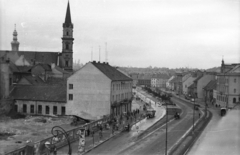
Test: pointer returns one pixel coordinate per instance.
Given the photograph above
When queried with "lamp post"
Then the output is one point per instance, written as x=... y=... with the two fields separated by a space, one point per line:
x=193 y=110
x=166 y=127
x=56 y=131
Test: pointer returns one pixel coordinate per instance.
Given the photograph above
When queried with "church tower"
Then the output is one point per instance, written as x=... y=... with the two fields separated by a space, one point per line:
x=67 y=43
x=15 y=43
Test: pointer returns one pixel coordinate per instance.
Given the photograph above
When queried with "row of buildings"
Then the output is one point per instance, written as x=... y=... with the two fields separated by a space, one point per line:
x=221 y=88
x=157 y=80
x=44 y=83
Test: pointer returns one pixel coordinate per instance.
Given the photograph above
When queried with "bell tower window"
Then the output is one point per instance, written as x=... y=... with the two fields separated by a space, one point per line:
x=67 y=46
x=67 y=33
x=66 y=63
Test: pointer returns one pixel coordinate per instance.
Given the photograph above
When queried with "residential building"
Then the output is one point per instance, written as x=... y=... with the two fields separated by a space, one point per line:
x=40 y=99
x=144 y=80
x=209 y=91
x=169 y=83
x=200 y=82
x=98 y=90
x=228 y=85
x=159 y=80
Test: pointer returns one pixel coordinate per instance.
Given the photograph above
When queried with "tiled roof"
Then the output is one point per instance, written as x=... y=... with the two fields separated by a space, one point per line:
x=53 y=93
x=34 y=80
x=40 y=57
x=160 y=76
x=191 y=86
x=111 y=72
x=199 y=77
x=211 y=85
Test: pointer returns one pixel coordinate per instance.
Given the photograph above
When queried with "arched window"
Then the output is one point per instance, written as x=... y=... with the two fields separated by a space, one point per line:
x=67 y=33
x=67 y=46
x=234 y=100
x=66 y=63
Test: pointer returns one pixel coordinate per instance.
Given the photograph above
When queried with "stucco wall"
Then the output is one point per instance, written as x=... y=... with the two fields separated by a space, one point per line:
x=202 y=82
x=187 y=83
x=59 y=105
x=91 y=93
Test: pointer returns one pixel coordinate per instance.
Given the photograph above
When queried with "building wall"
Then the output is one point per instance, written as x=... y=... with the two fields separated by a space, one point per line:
x=187 y=83
x=4 y=80
x=28 y=104
x=202 y=82
x=91 y=93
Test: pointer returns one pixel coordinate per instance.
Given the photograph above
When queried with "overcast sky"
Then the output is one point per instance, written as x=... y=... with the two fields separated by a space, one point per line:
x=139 y=33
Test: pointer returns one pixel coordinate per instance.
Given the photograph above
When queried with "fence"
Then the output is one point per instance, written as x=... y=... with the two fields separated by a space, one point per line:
x=93 y=137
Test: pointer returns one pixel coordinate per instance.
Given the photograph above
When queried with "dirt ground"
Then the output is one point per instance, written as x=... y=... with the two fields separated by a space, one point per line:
x=34 y=128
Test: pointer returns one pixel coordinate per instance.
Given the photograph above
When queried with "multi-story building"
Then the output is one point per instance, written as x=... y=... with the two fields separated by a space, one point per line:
x=144 y=80
x=169 y=83
x=200 y=82
x=228 y=85
x=159 y=80
x=98 y=90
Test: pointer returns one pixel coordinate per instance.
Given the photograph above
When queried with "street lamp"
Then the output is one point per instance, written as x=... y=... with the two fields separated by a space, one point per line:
x=56 y=131
x=166 y=125
x=193 y=110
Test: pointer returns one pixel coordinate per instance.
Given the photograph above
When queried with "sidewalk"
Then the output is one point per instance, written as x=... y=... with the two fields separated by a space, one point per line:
x=93 y=141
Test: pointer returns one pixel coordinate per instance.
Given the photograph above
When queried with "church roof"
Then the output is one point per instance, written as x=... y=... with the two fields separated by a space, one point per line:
x=111 y=72
x=39 y=57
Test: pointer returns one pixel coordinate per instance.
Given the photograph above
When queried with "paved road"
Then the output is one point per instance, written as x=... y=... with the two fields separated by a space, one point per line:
x=221 y=136
x=155 y=143
x=123 y=140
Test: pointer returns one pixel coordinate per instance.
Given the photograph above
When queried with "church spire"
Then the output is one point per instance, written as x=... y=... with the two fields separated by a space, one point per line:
x=15 y=43
x=68 y=21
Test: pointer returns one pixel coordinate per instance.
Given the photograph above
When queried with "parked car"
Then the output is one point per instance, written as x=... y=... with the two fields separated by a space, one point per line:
x=150 y=113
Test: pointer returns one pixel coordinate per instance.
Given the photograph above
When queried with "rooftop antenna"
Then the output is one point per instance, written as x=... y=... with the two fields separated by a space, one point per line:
x=106 y=52
x=99 y=53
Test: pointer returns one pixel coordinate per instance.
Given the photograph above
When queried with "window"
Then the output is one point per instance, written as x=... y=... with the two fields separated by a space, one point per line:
x=70 y=86
x=67 y=46
x=66 y=63
x=55 y=110
x=234 y=90
x=234 y=100
x=39 y=109
x=32 y=109
x=70 y=96
x=24 y=108
x=47 y=109
x=63 y=110
x=235 y=80
x=16 y=107
x=67 y=33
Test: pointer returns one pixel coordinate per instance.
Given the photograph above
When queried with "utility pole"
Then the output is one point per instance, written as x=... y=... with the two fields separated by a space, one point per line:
x=166 y=125
x=193 y=110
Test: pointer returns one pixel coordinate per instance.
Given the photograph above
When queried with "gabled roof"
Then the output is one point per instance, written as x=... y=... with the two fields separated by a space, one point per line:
x=199 y=77
x=48 y=93
x=160 y=76
x=111 y=72
x=211 y=85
